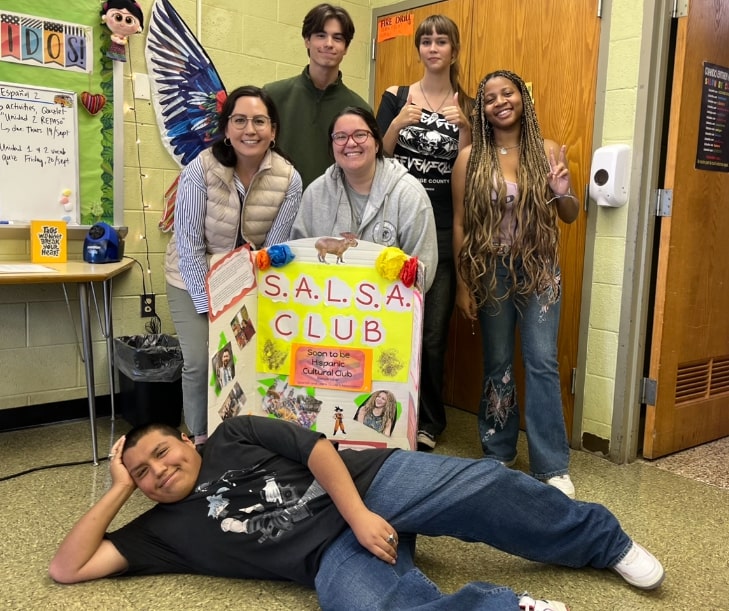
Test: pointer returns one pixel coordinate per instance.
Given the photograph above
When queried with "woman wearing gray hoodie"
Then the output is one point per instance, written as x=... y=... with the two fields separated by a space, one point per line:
x=366 y=194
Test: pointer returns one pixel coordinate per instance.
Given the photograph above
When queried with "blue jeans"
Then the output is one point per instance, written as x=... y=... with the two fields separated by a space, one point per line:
x=472 y=500
x=192 y=331
x=498 y=418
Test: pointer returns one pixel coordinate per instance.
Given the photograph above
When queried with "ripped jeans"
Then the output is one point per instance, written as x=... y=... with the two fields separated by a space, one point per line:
x=498 y=418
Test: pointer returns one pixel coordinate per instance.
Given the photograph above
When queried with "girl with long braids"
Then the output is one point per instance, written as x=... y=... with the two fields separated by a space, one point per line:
x=425 y=124
x=509 y=188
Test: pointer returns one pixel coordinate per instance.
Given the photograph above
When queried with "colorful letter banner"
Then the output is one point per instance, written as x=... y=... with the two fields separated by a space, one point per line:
x=35 y=41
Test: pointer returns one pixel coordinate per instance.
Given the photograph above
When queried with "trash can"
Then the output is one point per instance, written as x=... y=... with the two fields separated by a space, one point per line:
x=150 y=378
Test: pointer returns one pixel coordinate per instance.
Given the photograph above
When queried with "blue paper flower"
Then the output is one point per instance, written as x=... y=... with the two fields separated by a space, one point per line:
x=280 y=255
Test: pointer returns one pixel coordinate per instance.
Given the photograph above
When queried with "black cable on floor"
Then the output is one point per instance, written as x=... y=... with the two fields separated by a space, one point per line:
x=65 y=464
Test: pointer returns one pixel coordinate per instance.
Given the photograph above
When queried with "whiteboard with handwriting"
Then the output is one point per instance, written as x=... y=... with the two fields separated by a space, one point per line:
x=39 y=176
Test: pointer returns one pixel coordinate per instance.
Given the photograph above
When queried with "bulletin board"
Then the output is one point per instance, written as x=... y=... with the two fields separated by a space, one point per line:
x=54 y=53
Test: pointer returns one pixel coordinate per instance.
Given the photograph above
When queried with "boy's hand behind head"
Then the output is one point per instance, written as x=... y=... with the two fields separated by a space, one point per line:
x=119 y=473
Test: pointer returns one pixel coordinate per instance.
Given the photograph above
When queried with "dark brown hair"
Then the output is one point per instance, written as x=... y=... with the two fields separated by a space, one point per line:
x=224 y=153
x=445 y=26
x=133 y=437
x=317 y=17
x=367 y=117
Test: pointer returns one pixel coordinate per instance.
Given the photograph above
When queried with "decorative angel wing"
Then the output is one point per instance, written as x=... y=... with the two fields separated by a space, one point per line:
x=186 y=92
x=185 y=85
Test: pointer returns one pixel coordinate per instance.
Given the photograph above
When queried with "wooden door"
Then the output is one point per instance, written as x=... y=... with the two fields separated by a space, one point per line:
x=690 y=338
x=554 y=46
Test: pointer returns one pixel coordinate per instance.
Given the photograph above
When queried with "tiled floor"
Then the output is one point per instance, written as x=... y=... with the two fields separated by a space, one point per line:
x=685 y=522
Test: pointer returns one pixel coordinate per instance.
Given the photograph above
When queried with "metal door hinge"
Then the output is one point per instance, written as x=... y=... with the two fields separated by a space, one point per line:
x=648 y=391
x=680 y=8
x=374 y=48
x=664 y=202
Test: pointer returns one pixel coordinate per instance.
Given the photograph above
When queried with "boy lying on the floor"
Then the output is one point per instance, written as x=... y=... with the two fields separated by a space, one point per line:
x=273 y=500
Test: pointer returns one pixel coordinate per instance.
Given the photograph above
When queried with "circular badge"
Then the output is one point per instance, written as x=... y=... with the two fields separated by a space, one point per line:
x=384 y=233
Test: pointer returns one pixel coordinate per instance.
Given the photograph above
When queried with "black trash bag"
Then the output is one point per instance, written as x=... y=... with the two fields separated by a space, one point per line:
x=149 y=358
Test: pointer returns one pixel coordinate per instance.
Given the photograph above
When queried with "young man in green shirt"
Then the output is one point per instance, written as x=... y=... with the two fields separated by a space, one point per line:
x=307 y=103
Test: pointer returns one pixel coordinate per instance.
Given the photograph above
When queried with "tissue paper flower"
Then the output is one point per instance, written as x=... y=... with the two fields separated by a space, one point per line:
x=263 y=261
x=389 y=262
x=409 y=272
x=280 y=255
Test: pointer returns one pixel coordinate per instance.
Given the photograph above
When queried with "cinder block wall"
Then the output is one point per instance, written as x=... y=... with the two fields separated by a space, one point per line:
x=250 y=42
x=619 y=109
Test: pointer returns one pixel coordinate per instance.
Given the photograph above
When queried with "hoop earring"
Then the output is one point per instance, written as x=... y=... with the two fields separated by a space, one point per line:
x=226 y=141
x=273 y=143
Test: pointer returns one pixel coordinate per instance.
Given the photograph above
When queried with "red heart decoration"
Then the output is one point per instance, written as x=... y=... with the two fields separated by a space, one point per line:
x=93 y=102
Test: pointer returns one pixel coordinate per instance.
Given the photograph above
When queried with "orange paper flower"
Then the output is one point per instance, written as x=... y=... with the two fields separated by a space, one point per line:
x=263 y=261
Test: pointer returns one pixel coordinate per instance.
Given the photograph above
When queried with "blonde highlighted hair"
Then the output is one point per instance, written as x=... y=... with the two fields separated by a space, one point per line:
x=534 y=248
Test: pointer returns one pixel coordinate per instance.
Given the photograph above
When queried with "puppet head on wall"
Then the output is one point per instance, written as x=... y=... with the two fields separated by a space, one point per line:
x=123 y=18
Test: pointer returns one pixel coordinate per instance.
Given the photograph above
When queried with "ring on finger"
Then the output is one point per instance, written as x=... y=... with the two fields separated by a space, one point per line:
x=391 y=539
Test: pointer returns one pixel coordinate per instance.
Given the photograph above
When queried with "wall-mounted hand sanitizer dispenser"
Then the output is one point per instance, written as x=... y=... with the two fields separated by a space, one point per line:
x=610 y=175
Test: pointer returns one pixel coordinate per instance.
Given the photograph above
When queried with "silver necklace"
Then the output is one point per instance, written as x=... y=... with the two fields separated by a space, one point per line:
x=505 y=149
x=433 y=108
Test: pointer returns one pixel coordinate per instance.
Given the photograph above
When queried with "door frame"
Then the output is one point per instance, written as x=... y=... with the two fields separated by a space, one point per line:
x=638 y=280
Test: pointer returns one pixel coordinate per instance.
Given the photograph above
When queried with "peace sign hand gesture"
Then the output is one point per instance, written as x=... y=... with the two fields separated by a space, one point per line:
x=559 y=174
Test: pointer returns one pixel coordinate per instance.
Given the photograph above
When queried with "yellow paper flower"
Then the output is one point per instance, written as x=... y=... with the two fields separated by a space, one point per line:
x=389 y=262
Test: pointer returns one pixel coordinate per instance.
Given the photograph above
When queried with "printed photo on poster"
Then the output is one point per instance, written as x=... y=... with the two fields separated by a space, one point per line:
x=379 y=412
x=242 y=328
x=292 y=403
x=224 y=366
x=233 y=403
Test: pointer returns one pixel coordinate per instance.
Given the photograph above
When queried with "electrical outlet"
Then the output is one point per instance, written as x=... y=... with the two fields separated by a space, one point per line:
x=147 y=306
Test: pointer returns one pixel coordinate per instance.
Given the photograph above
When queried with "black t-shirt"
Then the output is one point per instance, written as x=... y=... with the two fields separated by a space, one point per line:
x=256 y=512
x=428 y=151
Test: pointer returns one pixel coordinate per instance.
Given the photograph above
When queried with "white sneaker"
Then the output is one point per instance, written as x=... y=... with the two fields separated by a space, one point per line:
x=426 y=439
x=562 y=483
x=640 y=568
x=527 y=603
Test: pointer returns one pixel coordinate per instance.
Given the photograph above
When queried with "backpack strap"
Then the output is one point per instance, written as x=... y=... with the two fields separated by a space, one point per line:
x=402 y=95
